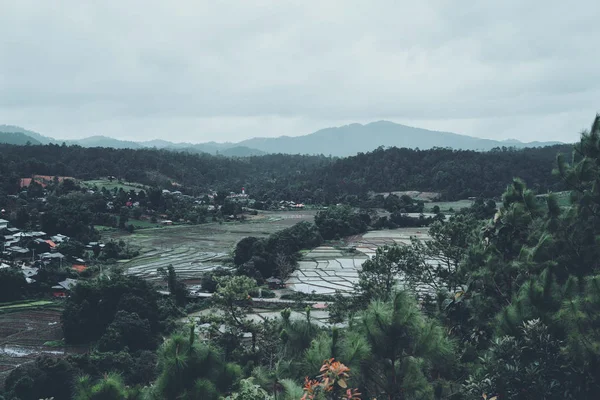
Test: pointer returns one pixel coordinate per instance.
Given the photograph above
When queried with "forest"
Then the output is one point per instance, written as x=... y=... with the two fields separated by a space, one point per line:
x=512 y=310
x=456 y=174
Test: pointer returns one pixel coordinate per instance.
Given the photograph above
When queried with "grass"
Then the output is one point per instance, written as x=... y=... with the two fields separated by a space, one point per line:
x=445 y=206
x=143 y=224
x=563 y=198
x=55 y=343
x=127 y=186
x=24 y=305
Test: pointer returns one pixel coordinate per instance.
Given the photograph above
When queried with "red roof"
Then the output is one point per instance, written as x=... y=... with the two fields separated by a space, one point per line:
x=51 y=243
x=79 y=267
x=42 y=180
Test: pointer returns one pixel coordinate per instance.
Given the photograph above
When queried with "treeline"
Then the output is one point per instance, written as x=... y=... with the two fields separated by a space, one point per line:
x=309 y=179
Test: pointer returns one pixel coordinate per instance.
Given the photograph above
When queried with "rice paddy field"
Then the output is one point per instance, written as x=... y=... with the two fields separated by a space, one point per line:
x=446 y=206
x=326 y=269
x=195 y=249
x=28 y=333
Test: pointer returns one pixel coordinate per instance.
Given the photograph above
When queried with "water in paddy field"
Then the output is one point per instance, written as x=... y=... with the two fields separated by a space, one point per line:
x=16 y=351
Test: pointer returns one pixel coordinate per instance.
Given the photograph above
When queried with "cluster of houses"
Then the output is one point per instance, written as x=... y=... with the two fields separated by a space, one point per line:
x=34 y=250
x=286 y=205
x=43 y=180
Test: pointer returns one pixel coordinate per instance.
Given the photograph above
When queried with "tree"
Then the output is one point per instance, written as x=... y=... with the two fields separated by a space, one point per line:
x=339 y=221
x=525 y=367
x=177 y=288
x=190 y=370
x=410 y=352
x=243 y=250
x=93 y=305
x=111 y=387
x=123 y=217
x=127 y=331
x=13 y=285
x=249 y=391
x=44 y=378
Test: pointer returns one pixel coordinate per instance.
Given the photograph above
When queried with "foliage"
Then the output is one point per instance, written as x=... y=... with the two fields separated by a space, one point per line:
x=340 y=221
x=12 y=284
x=249 y=391
x=525 y=367
x=331 y=384
x=410 y=353
x=44 y=378
x=93 y=306
x=191 y=370
x=261 y=258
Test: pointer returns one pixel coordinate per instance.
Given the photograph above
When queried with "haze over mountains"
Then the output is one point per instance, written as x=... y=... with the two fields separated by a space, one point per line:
x=339 y=141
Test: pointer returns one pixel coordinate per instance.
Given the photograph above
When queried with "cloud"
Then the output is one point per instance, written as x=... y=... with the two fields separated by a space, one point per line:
x=229 y=70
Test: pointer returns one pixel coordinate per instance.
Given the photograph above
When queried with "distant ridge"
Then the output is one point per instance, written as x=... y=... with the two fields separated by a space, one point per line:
x=340 y=141
x=17 y=138
x=355 y=138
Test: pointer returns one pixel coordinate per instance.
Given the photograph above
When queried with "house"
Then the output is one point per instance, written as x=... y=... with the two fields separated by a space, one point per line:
x=41 y=246
x=51 y=258
x=275 y=283
x=62 y=288
x=29 y=273
x=3 y=224
x=44 y=180
x=79 y=267
x=17 y=252
x=12 y=231
x=59 y=238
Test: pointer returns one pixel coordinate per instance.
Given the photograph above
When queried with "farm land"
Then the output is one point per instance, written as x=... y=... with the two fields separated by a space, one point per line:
x=195 y=249
x=110 y=185
x=28 y=330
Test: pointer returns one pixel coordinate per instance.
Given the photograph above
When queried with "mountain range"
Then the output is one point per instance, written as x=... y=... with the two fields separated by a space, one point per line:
x=338 y=142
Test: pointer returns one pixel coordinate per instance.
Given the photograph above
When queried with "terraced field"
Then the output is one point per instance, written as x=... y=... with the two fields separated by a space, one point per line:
x=23 y=335
x=195 y=249
x=326 y=269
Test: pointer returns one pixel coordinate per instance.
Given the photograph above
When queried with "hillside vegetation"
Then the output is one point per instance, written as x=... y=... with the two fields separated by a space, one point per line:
x=310 y=179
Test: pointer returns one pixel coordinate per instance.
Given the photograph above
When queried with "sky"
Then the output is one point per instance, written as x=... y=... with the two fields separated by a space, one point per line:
x=196 y=71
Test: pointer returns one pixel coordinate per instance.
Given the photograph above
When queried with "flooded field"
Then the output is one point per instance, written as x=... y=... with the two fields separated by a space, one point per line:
x=25 y=335
x=326 y=269
x=195 y=249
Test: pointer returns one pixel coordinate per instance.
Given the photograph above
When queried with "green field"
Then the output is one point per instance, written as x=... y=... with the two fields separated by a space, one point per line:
x=193 y=249
x=127 y=186
x=445 y=206
x=22 y=305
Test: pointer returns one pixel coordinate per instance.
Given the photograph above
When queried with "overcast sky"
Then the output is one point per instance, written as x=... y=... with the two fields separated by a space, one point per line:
x=192 y=70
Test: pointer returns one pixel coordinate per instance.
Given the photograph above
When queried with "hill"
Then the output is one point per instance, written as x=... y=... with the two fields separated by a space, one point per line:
x=104 y=141
x=38 y=137
x=18 y=138
x=341 y=141
x=241 y=151
x=456 y=174
x=357 y=138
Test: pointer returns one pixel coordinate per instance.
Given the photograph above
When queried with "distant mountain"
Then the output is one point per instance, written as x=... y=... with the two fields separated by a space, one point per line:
x=17 y=138
x=241 y=151
x=41 y=139
x=104 y=141
x=355 y=138
x=340 y=142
